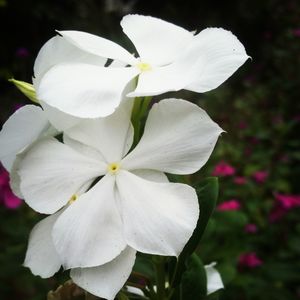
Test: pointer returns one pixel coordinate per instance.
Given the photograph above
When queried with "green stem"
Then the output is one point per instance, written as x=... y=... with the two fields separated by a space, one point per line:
x=160 y=279
x=139 y=110
x=144 y=106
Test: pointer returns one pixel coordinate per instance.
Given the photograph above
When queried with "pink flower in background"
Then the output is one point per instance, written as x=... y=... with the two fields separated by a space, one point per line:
x=248 y=151
x=288 y=201
x=249 y=260
x=223 y=169
x=7 y=198
x=260 y=176
x=277 y=120
x=284 y=158
x=277 y=213
x=242 y=125
x=17 y=106
x=240 y=180
x=22 y=52
x=283 y=204
x=254 y=140
x=296 y=32
x=296 y=118
x=267 y=35
x=229 y=205
x=251 y=228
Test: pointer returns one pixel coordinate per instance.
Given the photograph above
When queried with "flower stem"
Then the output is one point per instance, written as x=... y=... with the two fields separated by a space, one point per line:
x=139 y=110
x=160 y=278
x=144 y=106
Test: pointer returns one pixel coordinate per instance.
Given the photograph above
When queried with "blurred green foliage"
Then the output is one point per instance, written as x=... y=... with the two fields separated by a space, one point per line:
x=258 y=108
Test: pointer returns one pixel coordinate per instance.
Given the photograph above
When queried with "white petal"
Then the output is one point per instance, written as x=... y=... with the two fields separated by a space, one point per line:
x=61 y=121
x=135 y=291
x=151 y=175
x=160 y=80
x=178 y=138
x=211 y=58
x=58 y=50
x=111 y=136
x=98 y=46
x=84 y=90
x=158 y=42
x=41 y=256
x=117 y=64
x=14 y=178
x=162 y=220
x=21 y=129
x=214 y=280
x=52 y=172
x=83 y=149
x=107 y=280
x=214 y=56
x=89 y=233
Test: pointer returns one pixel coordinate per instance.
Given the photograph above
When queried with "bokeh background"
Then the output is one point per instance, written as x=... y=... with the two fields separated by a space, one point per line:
x=254 y=234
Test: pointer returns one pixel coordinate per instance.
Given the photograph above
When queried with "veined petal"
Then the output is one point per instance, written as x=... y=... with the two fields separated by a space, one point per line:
x=21 y=129
x=41 y=256
x=83 y=90
x=158 y=42
x=214 y=56
x=98 y=46
x=58 y=50
x=162 y=220
x=89 y=233
x=107 y=280
x=112 y=136
x=52 y=172
x=209 y=59
x=178 y=138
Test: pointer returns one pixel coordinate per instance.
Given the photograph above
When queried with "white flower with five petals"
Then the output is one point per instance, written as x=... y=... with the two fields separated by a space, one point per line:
x=170 y=59
x=97 y=228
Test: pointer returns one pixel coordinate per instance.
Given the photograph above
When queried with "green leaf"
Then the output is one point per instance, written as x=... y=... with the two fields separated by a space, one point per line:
x=207 y=193
x=26 y=88
x=194 y=281
x=144 y=266
x=228 y=272
x=230 y=220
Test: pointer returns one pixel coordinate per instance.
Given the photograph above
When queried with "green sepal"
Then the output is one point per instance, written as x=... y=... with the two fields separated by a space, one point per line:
x=68 y=290
x=207 y=192
x=26 y=88
x=194 y=280
x=122 y=296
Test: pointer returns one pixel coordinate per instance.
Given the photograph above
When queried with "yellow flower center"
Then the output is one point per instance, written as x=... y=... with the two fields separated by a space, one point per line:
x=113 y=168
x=144 y=66
x=73 y=199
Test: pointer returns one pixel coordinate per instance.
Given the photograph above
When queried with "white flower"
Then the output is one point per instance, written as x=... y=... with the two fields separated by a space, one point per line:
x=214 y=280
x=21 y=129
x=132 y=207
x=170 y=59
x=104 y=281
x=28 y=124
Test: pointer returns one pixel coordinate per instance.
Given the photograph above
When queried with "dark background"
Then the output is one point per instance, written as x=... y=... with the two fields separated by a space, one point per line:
x=263 y=95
